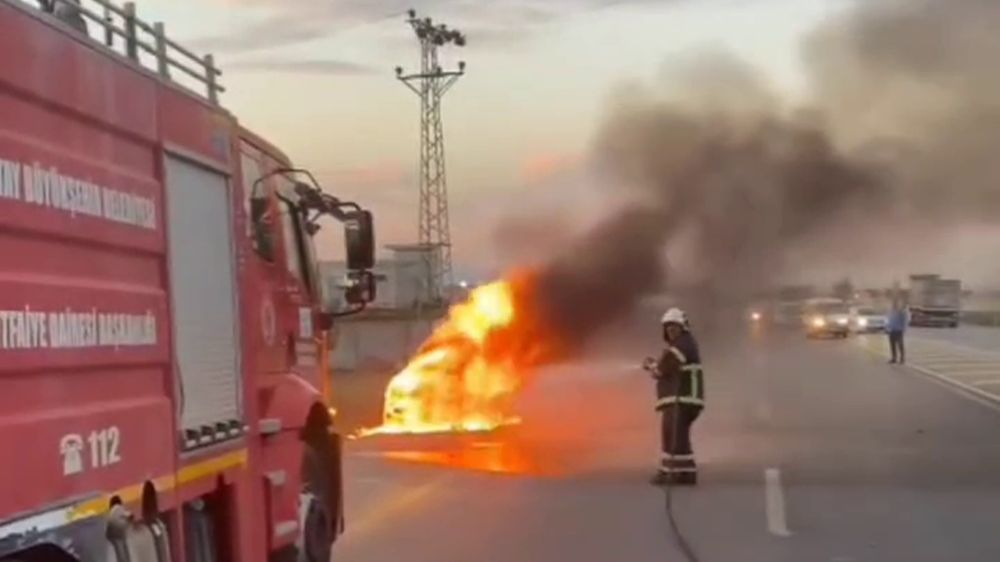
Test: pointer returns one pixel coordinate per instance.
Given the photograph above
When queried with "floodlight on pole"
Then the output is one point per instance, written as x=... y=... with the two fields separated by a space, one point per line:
x=430 y=85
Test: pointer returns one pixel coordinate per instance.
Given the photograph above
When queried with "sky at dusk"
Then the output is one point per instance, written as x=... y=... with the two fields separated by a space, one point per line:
x=316 y=78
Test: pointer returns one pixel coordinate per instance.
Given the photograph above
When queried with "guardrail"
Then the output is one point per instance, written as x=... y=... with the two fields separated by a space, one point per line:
x=138 y=37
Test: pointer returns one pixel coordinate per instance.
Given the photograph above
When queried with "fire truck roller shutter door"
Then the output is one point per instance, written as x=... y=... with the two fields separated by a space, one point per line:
x=203 y=292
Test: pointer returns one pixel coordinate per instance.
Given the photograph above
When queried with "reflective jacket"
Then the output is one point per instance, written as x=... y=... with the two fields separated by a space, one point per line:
x=679 y=378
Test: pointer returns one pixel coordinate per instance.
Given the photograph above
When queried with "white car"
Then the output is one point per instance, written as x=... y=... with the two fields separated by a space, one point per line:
x=867 y=320
x=827 y=318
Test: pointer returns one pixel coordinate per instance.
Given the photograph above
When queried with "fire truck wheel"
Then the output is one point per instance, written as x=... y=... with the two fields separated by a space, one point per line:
x=316 y=521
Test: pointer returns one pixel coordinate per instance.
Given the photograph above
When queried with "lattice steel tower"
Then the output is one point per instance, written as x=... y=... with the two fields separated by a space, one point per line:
x=430 y=84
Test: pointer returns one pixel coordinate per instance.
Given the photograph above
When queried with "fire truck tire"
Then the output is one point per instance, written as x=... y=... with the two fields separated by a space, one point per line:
x=316 y=522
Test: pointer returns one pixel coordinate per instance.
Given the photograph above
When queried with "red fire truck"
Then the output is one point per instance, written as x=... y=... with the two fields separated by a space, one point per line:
x=161 y=336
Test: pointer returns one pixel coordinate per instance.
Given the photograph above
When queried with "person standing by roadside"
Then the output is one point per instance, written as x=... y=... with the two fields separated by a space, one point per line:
x=895 y=326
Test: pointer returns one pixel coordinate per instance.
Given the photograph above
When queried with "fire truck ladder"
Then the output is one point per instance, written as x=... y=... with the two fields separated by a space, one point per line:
x=119 y=30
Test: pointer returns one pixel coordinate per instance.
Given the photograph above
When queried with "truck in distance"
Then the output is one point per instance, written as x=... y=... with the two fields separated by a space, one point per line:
x=934 y=301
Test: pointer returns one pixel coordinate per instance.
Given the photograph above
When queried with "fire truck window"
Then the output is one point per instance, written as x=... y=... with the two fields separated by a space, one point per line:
x=260 y=223
x=251 y=172
x=308 y=258
x=290 y=234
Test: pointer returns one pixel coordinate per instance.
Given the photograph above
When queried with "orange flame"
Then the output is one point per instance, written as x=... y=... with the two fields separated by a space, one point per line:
x=468 y=372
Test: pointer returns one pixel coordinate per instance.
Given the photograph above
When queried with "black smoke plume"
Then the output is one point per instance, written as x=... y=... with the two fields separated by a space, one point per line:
x=902 y=128
x=741 y=189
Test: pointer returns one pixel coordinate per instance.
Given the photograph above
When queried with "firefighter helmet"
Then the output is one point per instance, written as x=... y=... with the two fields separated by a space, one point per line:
x=674 y=316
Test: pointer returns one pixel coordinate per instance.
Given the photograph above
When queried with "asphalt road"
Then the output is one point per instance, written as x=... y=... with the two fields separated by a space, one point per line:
x=966 y=359
x=810 y=451
x=979 y=337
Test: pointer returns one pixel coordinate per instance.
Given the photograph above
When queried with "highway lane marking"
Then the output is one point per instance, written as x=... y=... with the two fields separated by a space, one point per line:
x=959 y=367
x=964 y=347
x=975 y=378
x=774 y=502
x=943 y=357
x=963 y=370
x=971 y=374
x=934 y=344
x=968 y=374
x=956 y=364
x=939 y=365
x=958 y=360
x=969 y=391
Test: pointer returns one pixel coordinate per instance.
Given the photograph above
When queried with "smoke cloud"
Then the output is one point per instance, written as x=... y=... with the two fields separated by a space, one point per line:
x=725 y=179
x=911 y=85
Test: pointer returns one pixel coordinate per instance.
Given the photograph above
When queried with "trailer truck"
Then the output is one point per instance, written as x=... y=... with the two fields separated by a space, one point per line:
x=161 y=338
x=934 y=302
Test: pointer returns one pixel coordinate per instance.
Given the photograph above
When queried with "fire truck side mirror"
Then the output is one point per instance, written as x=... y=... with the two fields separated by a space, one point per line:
x=359 y=237
x=363 y=288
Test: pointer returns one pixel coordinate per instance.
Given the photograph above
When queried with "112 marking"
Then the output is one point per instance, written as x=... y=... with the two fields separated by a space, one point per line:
x=104 y=446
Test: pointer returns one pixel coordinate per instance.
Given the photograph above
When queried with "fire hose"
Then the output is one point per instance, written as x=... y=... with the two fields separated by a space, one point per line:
x=679 y=537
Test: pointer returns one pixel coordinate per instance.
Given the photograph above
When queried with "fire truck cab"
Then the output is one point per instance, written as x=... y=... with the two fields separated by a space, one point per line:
x=162 y=342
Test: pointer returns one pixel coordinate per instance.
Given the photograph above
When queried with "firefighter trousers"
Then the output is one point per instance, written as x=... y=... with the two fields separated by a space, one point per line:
x=677 y=454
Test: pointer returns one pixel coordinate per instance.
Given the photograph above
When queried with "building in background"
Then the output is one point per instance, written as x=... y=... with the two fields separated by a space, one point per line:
x=333 y=279
x=403 y=279
x=412 y=269
x=385 y=335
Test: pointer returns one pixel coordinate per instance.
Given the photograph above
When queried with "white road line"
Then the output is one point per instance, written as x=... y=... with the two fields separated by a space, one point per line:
x=964 y=385
x=956 y=364
x=967 y=350
x=978 y=395
x=965 y=374
x=952 y=363
x=993 y=369
x=774 y=501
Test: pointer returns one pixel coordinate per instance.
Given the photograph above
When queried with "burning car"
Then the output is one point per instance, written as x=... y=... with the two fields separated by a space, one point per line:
x=413 y=397
x=467 y=373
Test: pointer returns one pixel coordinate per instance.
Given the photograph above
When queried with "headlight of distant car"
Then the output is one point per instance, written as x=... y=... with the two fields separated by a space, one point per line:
x=818 y=322
x=755 y=316
x=863 y=322
x=842 y=321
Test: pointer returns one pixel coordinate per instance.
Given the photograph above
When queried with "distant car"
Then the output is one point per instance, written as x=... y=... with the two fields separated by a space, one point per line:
x=865 y=320
x=827 y=319
x=786 y=315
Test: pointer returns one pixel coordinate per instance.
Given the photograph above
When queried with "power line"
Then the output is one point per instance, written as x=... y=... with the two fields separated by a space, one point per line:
x=431 y=84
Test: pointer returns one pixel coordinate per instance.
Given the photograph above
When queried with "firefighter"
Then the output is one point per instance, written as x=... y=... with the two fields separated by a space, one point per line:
x=680 y=397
